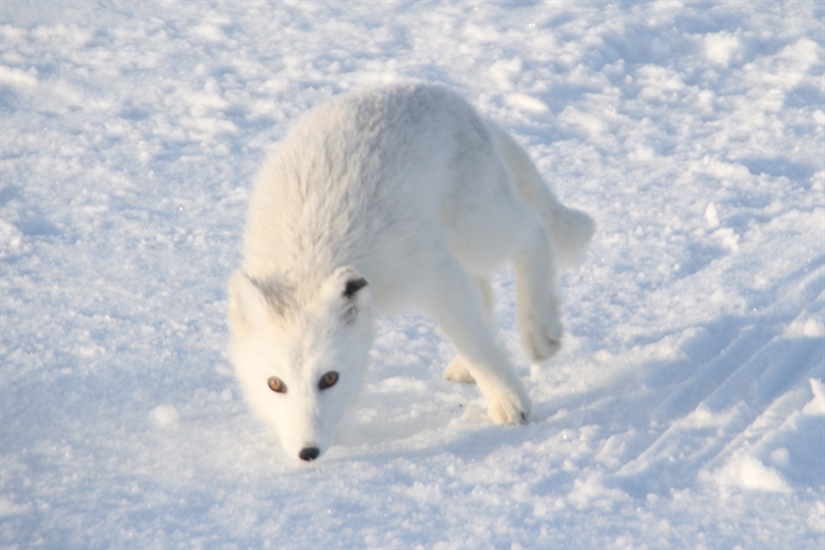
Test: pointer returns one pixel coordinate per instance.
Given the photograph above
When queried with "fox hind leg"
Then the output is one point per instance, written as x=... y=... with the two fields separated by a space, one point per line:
x=538 y=305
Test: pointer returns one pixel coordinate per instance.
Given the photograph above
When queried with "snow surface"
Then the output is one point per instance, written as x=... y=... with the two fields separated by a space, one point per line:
x=687 y=408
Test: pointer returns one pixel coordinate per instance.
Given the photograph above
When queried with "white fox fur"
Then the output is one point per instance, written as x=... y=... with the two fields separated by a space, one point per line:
x=399 y=196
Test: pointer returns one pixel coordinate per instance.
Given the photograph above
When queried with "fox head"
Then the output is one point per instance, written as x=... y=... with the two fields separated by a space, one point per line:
x=301 y=357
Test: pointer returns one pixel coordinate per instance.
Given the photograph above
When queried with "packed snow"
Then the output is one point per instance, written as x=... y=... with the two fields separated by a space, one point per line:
x=686 y=409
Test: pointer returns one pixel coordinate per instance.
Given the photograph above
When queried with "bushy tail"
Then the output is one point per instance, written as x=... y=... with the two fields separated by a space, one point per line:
x=570 y=229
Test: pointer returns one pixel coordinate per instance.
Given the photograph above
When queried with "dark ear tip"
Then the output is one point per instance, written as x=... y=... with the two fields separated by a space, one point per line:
x=353 y=286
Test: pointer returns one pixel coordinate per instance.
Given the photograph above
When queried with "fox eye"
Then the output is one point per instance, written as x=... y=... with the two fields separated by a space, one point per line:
x=328 y=380
x=276 y=384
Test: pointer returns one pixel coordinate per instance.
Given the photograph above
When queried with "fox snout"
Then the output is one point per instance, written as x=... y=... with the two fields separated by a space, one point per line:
x=308 y=454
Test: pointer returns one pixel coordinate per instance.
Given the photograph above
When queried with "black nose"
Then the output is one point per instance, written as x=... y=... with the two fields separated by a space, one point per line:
x=309 y=453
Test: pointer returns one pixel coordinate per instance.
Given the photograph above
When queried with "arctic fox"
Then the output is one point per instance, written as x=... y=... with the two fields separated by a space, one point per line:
x=392 y=197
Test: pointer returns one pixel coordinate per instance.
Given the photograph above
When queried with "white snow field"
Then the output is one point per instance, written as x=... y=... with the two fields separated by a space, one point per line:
x=686 y=409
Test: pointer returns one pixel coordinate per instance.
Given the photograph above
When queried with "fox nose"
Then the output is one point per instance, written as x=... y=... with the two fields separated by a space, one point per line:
x=309 y=453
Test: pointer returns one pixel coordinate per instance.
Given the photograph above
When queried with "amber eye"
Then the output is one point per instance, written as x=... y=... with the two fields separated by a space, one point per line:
x=276 y=384
x=328 y=380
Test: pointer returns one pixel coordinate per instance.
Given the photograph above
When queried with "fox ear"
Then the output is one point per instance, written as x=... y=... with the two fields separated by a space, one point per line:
x=353 y=286
x=349 y=282
x=350 y=287
x=247 y=304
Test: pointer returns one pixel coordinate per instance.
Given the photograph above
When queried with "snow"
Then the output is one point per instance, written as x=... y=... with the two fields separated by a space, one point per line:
x=686 y=408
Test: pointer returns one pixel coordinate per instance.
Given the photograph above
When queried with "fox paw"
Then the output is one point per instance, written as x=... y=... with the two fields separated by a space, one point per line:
x=508 y=410
x=541 y=340
x=457 y=371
